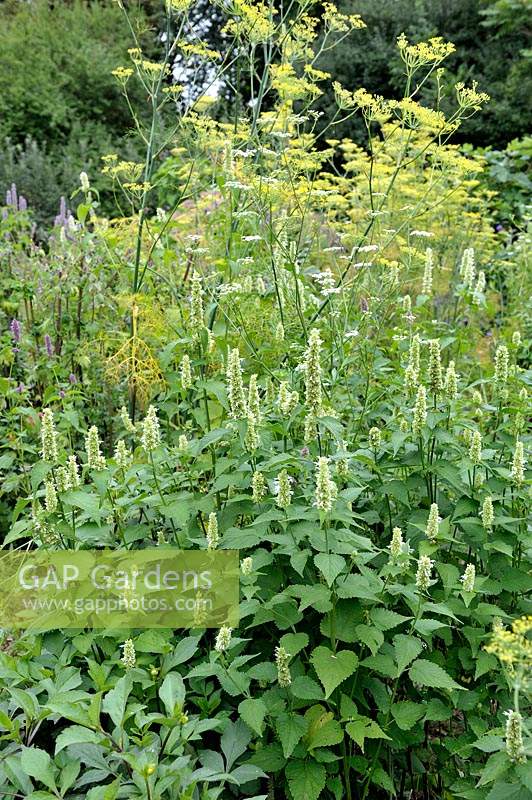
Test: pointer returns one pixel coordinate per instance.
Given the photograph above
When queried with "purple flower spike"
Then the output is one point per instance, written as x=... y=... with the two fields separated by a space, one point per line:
x=8 y=198
x=16 y=328
x=14 y=196
x=22 y=203
x=20 y=388
x=72 y=378
x=49 y=345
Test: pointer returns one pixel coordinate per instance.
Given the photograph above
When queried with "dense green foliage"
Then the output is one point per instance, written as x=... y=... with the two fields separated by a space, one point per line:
x=316 y=354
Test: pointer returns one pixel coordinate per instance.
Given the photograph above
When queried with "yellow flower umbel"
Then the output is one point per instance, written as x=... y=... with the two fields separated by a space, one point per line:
x=48 y=436
x=312 y=367
x=235 y=385
x=513 y=647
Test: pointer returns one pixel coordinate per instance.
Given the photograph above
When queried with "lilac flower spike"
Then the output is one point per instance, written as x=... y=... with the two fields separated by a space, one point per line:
x=16 y=329
x=22 y=203
x=49 y=345
x=14 y=196
x=8 y=198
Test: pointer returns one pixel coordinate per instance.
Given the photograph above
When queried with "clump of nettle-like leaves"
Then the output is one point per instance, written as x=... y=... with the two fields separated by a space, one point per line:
x=286 y=362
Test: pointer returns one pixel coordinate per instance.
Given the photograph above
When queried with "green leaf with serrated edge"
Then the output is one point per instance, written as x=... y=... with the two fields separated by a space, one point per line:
x=496 y=766
x=306 y=779
x=172 y=692
x=293 y=643
x=76 y=735
x=290 y=729
x=330 y=566
x=426 y=673
x=333 y=668
x=323 y=729
x=407 y=648
x=363 y=728
x=38 y=765
x=385 y=619
x=114 y=702
x=407 y=713
x=253 y=713
x=305 y=688
x=371 y=636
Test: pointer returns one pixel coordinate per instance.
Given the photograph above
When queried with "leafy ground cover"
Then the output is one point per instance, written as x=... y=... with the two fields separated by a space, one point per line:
x=317 y=355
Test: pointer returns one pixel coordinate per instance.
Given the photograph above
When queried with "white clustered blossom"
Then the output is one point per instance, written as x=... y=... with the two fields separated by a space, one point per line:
x=326 y=489
x=73 y=470
x=151 y=434
x=283 y=489
x=518 y=464
x=396 y=544
x=312 y=367
x=468 y=578
x=451 y=382
x=50 y=496
x=475 y=448
x=420 y=411
x=95 y=460
x=467 y=268
x=185 y=370
x=246 y=566
x=213 y=537
x=487 y=514
x=223 y=639
x=514 y=737
x=258 y=487
x=424 y=573
x=126 y=420
x=235 y=385
x=128 y=656
x=282 y=660
x=122 y=454
x=433 y=523
x=426 y=286
x=48 y=436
